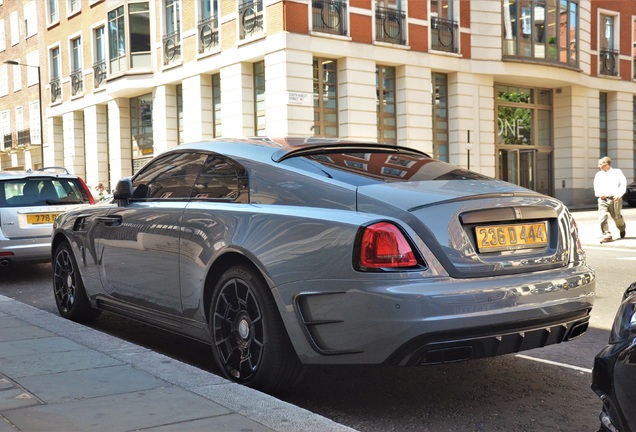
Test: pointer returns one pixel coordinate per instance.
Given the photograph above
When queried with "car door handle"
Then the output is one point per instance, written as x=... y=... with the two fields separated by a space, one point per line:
x=109 y=220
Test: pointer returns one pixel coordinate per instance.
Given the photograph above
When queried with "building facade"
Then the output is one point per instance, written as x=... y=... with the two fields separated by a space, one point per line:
x=530 y=91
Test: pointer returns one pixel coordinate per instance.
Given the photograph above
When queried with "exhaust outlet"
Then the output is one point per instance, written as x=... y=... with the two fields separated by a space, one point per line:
x=4 y=263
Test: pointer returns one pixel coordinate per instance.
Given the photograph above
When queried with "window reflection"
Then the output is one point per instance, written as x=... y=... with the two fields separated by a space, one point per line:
x=545 y=30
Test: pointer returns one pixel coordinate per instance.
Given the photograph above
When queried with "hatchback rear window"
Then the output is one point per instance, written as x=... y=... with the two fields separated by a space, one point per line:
x=42 y=191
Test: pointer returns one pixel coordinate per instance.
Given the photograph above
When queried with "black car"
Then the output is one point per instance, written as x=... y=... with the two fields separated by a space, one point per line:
x=630 y=194
x=614 y=376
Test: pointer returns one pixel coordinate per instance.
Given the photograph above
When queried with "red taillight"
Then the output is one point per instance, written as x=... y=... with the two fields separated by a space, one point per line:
x=384 y=245
x=87 y=190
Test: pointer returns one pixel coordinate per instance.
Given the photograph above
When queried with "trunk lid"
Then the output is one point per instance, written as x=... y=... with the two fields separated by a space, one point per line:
x=479 y=227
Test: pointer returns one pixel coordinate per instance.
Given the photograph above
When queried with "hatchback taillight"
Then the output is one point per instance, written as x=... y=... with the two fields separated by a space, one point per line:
x=384 y=246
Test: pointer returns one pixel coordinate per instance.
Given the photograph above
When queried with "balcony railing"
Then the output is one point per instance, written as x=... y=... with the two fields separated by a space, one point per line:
x=251 y=18
x=56 y=90
x=7 y=141
x=444 y=35
x=77 y=82
x=99 y=73
x=208 y=34
x=329 y=16
x=24 y=137
x=389 y=25
x=171 y=48
x=608 y=60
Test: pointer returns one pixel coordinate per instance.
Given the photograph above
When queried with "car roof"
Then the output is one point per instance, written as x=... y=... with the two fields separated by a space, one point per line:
x=44 y=172
x=284 y=148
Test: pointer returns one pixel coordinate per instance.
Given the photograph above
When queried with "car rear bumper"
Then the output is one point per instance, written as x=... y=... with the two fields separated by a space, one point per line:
x=435 y=320
x=37 y=249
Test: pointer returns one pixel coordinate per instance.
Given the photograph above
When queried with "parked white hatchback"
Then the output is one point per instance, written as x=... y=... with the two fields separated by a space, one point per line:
x=29 y=203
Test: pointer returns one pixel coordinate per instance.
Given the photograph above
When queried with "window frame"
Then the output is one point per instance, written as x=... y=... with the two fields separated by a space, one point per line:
x=382 y=103
x=52 y=13
x=320 y=110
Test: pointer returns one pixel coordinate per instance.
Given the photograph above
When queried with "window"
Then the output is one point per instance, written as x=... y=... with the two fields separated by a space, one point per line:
x=4 y=80
x=73 y=6
x=5 y=129
x=52 y=12
x=34 y=122
x=325 y=98
x=77 y=80
x=99 y=57
x=32 y=59
x=208 y=26
x=543 y=30
x=250 y=18
x=259 y=99
x=602 y=125
x=390 y=22
x=129 y=37
x=141 y=126
x=608 y=54
x=170 y=177
x=3 y=37
x=385 y=104
x=329 y=16
x=221 y=179
x=30 y=19
x=444 y=28
x=179 y=113
x=216 y=105
x=440 y=117
x=19 y=118
x=17 y=77
x=172 y=36
x=117 y=40
x=54 y=74
x=15 y=28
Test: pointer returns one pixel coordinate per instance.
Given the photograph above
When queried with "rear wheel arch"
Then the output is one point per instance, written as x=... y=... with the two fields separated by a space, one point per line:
x=265 y=344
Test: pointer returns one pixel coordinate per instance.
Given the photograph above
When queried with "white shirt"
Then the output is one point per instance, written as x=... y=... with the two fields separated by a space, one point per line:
x=610 y=183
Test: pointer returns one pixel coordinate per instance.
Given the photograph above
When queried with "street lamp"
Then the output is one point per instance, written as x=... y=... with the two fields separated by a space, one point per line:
x=13 y=62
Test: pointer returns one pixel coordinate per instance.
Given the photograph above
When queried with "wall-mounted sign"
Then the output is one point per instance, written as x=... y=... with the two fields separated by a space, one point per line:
x=296 y=98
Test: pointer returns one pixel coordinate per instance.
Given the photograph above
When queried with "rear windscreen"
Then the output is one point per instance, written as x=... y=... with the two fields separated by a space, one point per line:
x=42 y=191
x=365 y=168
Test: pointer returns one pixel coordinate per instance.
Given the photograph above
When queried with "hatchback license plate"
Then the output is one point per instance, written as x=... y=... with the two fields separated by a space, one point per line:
x=41 y=218
x=509 y=237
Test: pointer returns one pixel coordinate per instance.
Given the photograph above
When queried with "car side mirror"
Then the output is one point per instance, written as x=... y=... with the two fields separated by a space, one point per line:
x=123 y=191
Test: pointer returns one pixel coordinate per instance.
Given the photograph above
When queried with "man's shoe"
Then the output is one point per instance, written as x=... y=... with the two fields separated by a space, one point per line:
x=622 y=233
x=606 y=240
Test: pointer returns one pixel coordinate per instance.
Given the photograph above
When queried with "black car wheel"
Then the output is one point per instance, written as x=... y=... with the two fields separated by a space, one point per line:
x=249 y=341
x=68 y=287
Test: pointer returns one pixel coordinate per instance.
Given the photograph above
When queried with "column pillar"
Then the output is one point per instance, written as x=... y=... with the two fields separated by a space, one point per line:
x=74 y=152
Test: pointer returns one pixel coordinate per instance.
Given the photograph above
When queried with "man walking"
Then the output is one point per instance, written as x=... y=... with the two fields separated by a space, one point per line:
x=609 y=188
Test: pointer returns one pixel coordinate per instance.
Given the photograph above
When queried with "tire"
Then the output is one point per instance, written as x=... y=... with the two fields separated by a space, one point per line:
x=68 y=287
x=249 y=343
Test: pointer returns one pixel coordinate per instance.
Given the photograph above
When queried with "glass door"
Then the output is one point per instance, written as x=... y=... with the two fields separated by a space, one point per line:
x=518 y=166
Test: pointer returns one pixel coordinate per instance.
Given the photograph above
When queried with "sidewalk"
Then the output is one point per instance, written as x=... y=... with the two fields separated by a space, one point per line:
x=56 y=375
x=590 y=229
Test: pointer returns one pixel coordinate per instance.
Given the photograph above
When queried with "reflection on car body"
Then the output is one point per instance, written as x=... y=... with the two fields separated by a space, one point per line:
x=614 y=374
x=284 y=253
x=630 y=194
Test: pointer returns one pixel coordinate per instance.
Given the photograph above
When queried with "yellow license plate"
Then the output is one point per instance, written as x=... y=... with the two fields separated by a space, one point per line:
x=509 y=237
x=41 y=218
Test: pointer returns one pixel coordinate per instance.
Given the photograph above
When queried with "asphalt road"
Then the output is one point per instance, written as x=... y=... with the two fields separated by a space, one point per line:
x=539 y=390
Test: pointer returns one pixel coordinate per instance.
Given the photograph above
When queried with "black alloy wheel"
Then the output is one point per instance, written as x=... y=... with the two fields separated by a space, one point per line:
x=68 y=287
x=249 y=342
